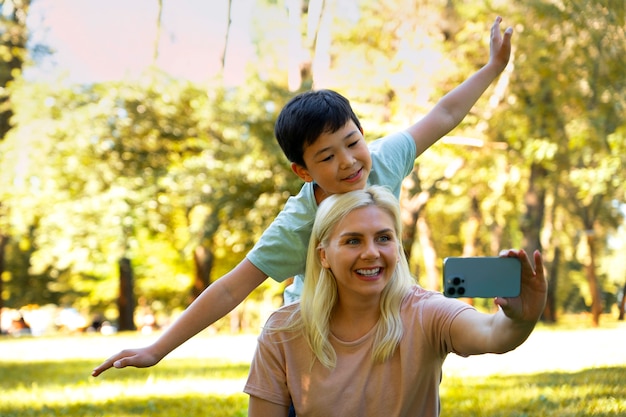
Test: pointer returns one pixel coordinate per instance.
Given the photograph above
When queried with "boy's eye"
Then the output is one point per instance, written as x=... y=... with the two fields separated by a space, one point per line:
x=353 y=144
x=328 y=158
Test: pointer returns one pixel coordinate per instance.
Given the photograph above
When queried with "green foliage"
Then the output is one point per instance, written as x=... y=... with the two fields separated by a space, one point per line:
x=155 y=168
x=150 y=171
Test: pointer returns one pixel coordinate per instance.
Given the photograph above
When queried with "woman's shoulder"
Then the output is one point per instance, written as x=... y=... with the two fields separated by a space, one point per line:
x=419 y=296
x=283 y=316
x=422 y=301
x=419 y=293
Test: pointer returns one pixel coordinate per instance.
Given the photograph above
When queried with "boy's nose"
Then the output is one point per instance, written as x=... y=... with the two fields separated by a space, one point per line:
x=347 y=160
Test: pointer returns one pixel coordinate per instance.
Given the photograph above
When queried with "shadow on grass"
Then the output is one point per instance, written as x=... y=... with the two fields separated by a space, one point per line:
x=599 y=392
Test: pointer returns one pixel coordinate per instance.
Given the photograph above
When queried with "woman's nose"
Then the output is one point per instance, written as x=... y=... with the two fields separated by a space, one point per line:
x=370 y=251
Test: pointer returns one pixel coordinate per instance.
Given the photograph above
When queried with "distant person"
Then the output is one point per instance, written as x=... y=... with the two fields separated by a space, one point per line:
x=96 y=323
x=322 y=137
x=19 y=326
x=365 y=339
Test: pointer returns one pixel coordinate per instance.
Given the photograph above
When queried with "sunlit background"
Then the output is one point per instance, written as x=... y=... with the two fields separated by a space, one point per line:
x=138 y=165
x=138 y=162
x=95 y=41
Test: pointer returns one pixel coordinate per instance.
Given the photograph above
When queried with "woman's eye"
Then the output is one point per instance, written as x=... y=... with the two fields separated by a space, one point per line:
x=385 y=238
x=352 y=241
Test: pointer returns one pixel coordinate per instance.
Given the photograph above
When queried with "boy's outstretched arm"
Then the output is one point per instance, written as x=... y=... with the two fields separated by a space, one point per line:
x=473 y=332
x=455 y=105
x=214 y=303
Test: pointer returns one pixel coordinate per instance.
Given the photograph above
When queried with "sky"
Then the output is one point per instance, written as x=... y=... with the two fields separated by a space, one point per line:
x=97 y=40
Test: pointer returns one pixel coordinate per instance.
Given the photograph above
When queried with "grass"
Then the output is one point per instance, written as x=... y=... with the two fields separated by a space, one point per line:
x=561 y=372
x=592 y=392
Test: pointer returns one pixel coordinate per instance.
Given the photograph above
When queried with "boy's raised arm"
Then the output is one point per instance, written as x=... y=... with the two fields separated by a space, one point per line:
x=455 y=105
x=214 y=303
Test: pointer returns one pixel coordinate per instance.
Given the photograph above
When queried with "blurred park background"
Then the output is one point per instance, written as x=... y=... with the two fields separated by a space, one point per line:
x=138 y=162
x=138 y=165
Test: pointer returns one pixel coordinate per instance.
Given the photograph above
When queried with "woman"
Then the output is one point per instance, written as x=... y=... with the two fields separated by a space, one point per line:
x=365 y=340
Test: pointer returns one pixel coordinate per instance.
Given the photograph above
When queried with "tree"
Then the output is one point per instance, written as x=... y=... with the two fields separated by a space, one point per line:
x=622 y=304
x=229 y=21
x=572 y=141
x=13 y=52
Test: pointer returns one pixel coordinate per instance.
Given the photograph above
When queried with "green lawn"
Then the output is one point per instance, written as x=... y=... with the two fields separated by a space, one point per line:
x=566 y=371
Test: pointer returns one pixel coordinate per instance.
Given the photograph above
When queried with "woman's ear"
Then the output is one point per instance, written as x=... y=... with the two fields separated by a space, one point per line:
x=322 y=254
x=302 y=172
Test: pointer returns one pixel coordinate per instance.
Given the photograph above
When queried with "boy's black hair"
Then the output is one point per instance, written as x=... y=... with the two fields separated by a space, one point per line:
x=307 y=116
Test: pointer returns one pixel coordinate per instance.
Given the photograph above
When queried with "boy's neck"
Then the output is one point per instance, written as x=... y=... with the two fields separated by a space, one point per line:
x=320 y=194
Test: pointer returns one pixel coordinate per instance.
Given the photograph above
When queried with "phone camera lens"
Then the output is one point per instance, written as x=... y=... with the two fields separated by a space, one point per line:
x=456 y=281
x=461 y=290
x=451 y=291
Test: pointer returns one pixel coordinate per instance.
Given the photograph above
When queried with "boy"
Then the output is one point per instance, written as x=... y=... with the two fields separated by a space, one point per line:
x=327 y=150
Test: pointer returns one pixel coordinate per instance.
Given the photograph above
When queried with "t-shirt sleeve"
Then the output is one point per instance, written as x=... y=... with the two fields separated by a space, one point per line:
x=281 y=251
x=436 y=314
x=267 y=378
x=393 y=159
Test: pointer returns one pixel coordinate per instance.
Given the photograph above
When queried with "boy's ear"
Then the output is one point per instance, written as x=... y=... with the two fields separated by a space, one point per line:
x=302 y=172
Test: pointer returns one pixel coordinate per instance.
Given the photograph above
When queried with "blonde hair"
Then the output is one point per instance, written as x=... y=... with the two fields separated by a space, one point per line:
x=319 y=294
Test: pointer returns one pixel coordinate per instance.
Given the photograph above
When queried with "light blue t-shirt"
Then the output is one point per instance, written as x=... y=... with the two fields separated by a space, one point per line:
x=281 y=251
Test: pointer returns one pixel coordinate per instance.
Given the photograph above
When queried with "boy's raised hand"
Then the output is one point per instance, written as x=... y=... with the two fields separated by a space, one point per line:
x=500 y=45
x=529 y=306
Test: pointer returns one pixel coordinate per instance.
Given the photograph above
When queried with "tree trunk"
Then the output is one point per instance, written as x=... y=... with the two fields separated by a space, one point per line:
x=535 y=200
x=229 y=22
x=320 y=65
x=429 y=254
x=495 y=244
x=471 y=234
x=471 y=228
x=409 y=222
x=592 y=279
x=13 y=41
x=549 y=312
x=203 y=260
x=295 y=52
x=411 y=201
x=532 y=223
x=622 y=304
x=3 y=242
x=157 y=38
x=126 y=298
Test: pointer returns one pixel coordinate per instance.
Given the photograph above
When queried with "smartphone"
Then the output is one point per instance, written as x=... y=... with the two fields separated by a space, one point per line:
x=481 y=277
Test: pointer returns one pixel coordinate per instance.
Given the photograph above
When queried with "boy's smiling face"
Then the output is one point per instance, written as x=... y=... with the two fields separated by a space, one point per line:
x=337 y=162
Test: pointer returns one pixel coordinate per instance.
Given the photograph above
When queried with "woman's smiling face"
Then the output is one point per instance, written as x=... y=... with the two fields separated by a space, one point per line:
x=362 y=252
